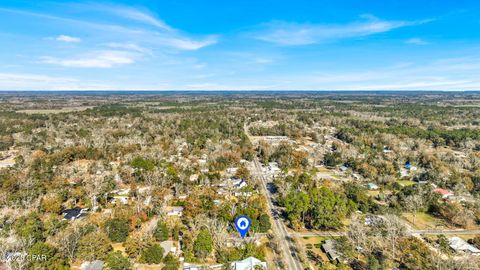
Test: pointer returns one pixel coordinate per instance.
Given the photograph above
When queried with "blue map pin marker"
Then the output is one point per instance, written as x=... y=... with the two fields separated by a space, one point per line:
x=243 y=224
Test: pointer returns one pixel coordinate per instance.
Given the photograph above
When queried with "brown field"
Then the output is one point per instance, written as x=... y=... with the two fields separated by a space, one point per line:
x=55 y=111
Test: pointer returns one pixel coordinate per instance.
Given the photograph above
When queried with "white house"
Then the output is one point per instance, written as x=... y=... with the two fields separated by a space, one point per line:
x=175 y=211
x=121 y=196
x=243 y=194
x=248 y=264
x=93 y=265
x=169 y=247
x=232 y=170
x=239 y=183
x=120 y=199
x=272 y=168
x=182 y=197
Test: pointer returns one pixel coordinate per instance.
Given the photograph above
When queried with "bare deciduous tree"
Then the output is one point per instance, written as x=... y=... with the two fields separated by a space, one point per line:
x=394 y=230
x=68 y=241
x=358 y=233
x=13 y=252
x=414 y=203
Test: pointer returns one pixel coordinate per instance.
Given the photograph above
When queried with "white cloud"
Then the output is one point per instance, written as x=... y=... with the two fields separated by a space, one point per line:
x=469 y=64
x=78 y=23
x=218 y=87
x=68 y=39
x=185 y=43
x=137 y=15
x=441 y=84
x=30 y=77
x=129 y=46
x=416 y=41
x=165 y=35
x=442 y=74
x=98 y=59
x=27 y=81
x=162 y=36
x=122 y=11
x=291 y=34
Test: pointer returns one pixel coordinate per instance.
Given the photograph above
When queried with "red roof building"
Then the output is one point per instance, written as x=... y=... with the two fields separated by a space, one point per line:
x=444 y=192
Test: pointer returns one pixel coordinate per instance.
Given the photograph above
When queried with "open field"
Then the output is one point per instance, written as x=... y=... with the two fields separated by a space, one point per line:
x=424 y=221
x=56 y=111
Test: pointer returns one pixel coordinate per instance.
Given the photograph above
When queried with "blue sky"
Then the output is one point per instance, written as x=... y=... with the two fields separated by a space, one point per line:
x=240 y=45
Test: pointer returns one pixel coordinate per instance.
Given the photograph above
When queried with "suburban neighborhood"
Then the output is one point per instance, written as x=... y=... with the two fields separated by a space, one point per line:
x=140 y=186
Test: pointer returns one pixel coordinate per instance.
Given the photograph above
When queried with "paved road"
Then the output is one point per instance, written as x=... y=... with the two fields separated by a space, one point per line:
x=312 y=234
x=288 y=248
x=446 y=232
x=421 y=232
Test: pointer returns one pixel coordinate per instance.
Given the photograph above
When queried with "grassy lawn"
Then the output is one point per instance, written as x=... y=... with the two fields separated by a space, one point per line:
x=326 y=175
x=467 y=237
x=269 y=255
x=346 y=222
x=118 y=247
x=323 y=170
x=313 y=239
x=424 y=221
x=405 y=183
x=313 y=245
x=373 y=193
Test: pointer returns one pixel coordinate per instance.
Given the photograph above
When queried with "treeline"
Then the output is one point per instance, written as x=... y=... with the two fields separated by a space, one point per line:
x=12 y=122
x=439 y=137
x=114 y=110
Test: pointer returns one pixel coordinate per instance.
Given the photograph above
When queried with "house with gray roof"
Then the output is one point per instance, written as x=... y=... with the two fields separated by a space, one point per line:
x=329 y=248
x=461 y=246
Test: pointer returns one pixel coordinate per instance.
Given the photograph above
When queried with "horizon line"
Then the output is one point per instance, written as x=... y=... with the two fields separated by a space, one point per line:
x=245 y=90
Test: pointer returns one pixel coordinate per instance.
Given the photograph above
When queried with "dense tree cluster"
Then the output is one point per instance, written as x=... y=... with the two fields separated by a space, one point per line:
x=128 y=160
